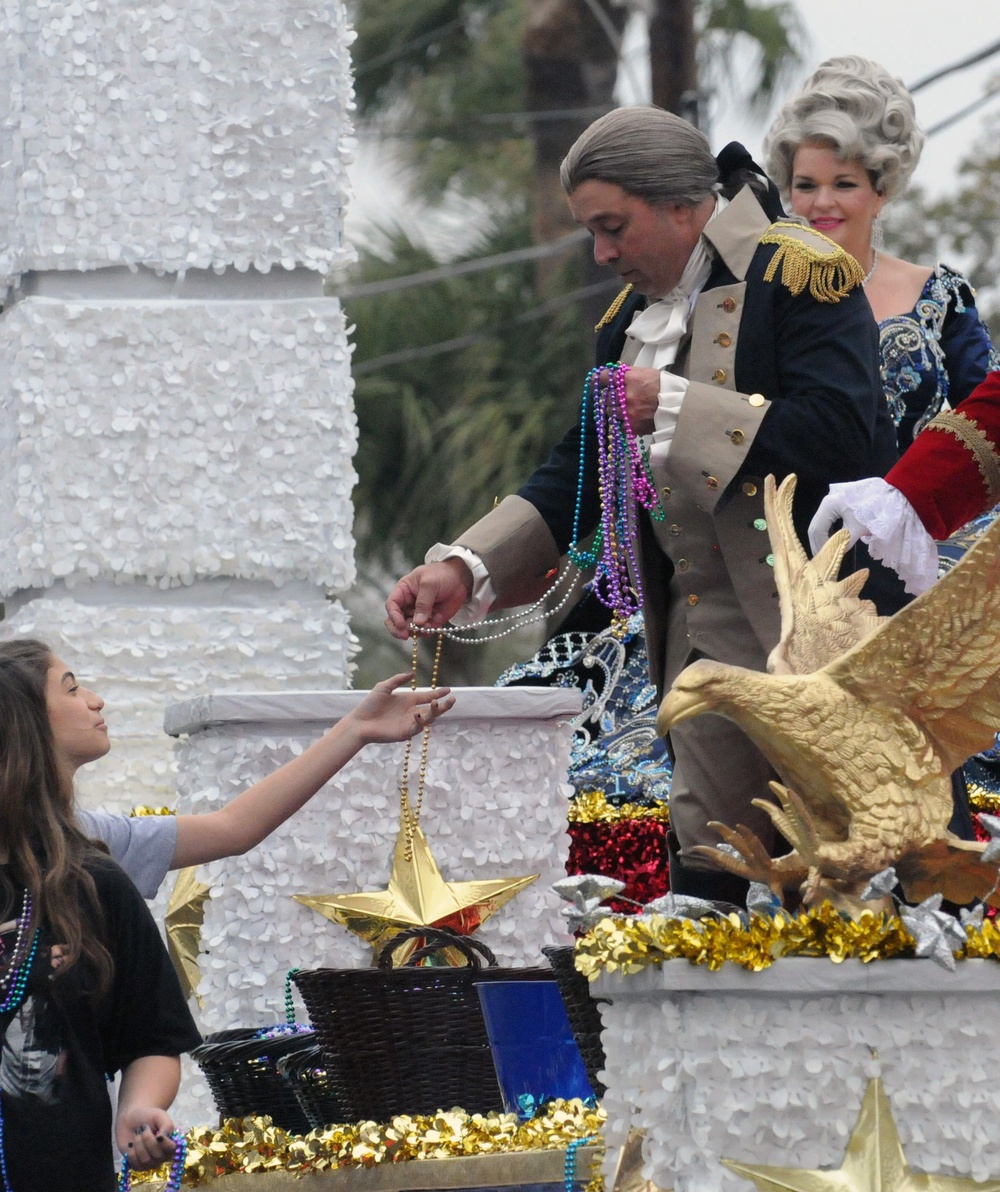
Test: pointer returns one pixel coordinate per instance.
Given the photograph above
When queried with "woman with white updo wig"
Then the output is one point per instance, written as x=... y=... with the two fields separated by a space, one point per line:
x=839 y=151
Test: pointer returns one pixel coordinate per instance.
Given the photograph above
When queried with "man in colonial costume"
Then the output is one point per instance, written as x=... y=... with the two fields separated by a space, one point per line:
x=753 y=351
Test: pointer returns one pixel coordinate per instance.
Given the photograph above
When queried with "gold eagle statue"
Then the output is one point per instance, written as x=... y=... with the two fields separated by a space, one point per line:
x=864 y=718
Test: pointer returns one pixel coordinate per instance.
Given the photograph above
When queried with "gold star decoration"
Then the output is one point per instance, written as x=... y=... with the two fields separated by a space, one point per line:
x=417 y=896
x=874 y=1161
x=628 y=1170
x=183 y=920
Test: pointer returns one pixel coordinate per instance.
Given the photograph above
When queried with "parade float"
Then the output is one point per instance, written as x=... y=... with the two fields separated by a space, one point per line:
x=176 y=463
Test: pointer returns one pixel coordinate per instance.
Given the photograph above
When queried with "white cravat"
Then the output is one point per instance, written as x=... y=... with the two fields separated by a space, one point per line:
x=660 y=328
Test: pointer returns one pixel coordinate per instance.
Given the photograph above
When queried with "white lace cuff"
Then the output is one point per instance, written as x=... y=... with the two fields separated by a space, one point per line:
x=889 y=526
x=673 y=390
x=483 y=595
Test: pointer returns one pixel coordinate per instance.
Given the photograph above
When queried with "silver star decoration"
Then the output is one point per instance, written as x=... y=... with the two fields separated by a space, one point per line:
x=992 y=825
x=973 y=918
x=761 y=900
x=938 y=935
x=882 y=884
x=586 y=892
x=584 y=888
x=680 y=906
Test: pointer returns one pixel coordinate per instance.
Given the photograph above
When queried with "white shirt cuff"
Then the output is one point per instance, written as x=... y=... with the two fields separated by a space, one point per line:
x=673 y=390
x=483 y=595
x=890 y=528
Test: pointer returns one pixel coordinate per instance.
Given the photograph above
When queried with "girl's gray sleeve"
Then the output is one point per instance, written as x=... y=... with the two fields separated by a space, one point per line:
x=142 y=845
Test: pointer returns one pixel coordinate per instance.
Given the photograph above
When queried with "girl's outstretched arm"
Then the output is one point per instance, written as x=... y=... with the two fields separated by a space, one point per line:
x=385 y=714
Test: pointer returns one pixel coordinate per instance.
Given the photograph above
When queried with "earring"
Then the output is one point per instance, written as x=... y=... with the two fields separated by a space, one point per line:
x=877 y=235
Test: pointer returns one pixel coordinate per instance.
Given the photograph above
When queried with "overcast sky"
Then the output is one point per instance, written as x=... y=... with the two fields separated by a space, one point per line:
x=910 y=37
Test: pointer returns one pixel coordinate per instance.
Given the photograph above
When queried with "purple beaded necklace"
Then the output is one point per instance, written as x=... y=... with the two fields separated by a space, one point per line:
x=14 y=983
x=623 y=483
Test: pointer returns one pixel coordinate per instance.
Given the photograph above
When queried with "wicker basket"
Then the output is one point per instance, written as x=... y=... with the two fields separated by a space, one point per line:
x=412 y=1039
x=307 y=1075
x=581 y=1009
x=241 y=1072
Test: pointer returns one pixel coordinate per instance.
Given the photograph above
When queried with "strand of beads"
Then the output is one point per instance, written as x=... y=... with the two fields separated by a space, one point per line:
x=3 y=1151
x=585 y=558
x=289 y=1000
x=476 y=635
x=624 y=483
x=410 y=811
x=569 y=1165
x=173 y=1183
x=15 y=981
x=22 y=955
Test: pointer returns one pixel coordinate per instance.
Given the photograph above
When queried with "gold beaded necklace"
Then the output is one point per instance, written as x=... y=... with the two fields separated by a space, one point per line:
x=410 y=813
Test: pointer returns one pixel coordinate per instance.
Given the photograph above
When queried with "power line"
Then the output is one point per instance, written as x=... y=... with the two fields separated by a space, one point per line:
x=392 y=285
x=410 y=355
x=971 y=60
x=954 y=118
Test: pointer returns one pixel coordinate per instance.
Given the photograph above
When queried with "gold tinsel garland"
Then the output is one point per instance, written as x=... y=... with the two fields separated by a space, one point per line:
x=252 y=1145
x=629 y=945
x=980 y=799
x=139 y=812
x=592 y=807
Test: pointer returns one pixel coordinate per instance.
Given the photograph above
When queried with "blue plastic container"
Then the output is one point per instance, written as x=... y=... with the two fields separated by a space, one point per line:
x=534 y=1052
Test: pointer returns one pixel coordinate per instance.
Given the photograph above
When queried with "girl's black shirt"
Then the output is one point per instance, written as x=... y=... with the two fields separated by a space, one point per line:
x=61 y=1045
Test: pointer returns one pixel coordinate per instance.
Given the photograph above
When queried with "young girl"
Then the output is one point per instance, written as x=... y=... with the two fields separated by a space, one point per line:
x=86 y=986
x=146 y=847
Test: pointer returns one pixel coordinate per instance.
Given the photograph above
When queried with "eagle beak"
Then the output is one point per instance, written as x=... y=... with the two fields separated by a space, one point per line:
x=678 y=706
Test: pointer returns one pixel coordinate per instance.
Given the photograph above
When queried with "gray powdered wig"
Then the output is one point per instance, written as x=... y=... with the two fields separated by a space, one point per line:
x=648 y=152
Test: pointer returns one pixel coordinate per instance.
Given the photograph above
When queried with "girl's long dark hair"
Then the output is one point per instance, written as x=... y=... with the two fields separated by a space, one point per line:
x=45 y=848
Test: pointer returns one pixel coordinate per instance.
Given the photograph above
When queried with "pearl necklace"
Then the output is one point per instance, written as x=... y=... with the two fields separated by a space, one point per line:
x=474 y=635
x=871 y=272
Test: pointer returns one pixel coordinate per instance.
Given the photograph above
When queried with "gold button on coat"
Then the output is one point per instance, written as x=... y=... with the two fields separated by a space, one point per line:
x=749 y=489
x=728 y=305
x=737 y=437
x=757 y=399
x=719 y=375
x=712 y=482
x=675 y=530
x=692 y=599
x=724 y=339
x=683 y=564
x=666 y=491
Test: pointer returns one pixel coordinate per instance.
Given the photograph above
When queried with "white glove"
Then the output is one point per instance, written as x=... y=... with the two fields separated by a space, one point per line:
x=673 y=390
x=882 y=518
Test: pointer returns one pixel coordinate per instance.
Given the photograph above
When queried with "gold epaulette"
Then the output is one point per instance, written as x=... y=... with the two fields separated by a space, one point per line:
x=809 y=258
x=614 y=308
x=970 y=435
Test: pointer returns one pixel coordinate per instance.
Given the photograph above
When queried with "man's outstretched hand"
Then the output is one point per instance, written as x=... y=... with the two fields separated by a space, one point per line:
x=429 y=596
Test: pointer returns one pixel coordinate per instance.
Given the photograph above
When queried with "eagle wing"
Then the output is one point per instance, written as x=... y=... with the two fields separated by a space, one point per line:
x=937 y=661
x=822 y=617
